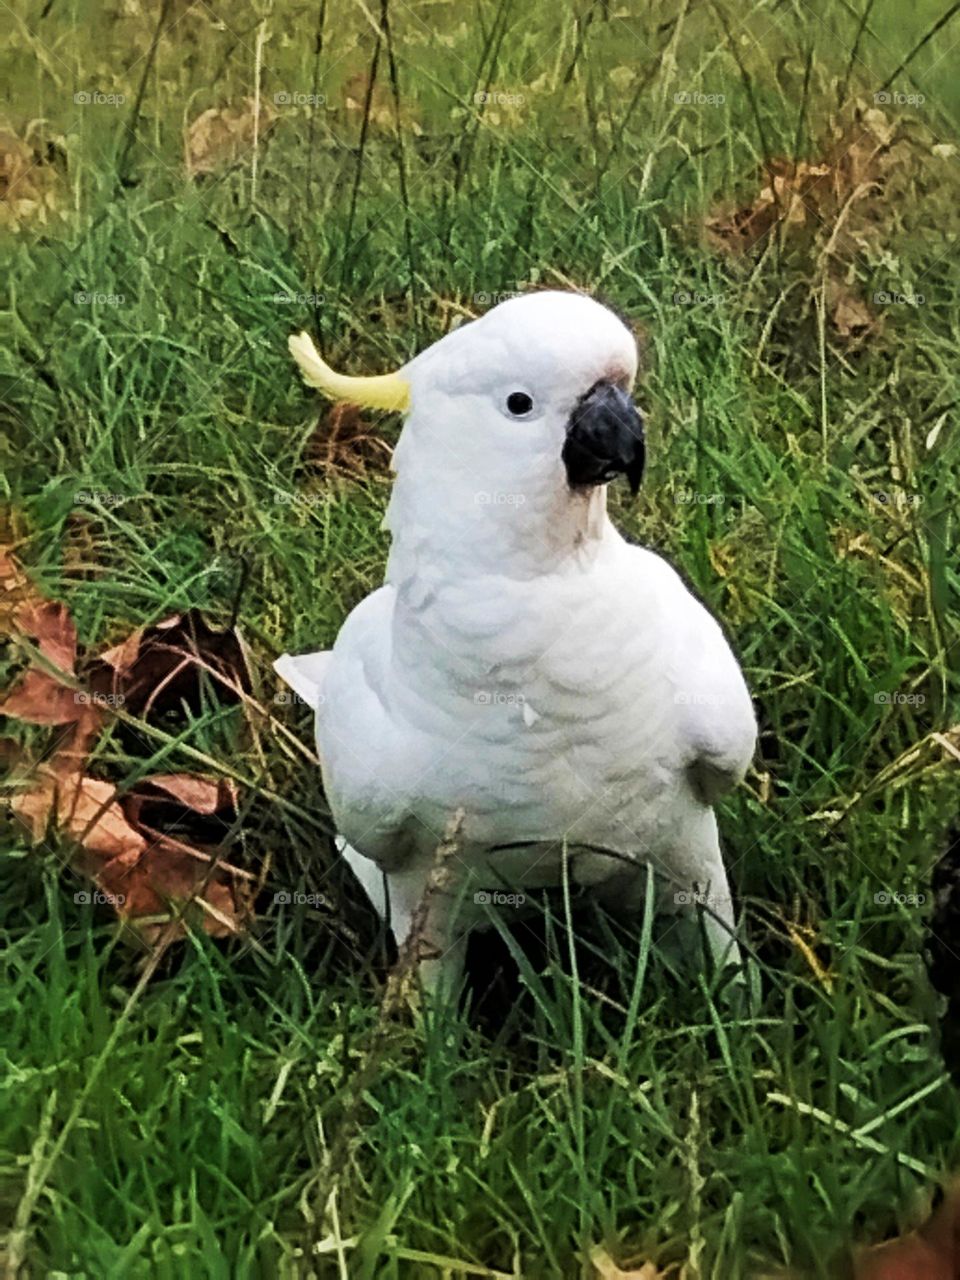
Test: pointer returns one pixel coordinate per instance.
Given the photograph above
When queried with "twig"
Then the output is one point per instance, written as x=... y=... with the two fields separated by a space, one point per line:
x=134 y=119
x=395 y=993
x=257 y=76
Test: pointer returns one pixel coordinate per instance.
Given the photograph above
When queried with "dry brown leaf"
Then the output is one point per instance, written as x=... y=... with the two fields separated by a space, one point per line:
x=793 y=195
x=28 y=182
x=40 y=699
x=930 y=1253
x=34 y=809
x=143 y=872
x=606 y=1269
x=82 y=808
x=155 y=847
x=16 y=592
x=858 y=170
x=345 y=443
x=158 y=668
x=169 y=874
x=850 y=315
x=221 y=135
x=89 y=813
x=194 y=791
x=50 y=624
x=382 y=114
x=121 y=657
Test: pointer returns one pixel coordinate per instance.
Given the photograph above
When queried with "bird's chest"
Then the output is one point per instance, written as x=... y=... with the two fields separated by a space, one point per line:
x=498 y=643
x=545 y=697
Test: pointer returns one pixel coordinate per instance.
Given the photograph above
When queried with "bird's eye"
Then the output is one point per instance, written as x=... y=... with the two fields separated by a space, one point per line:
x=519 y=403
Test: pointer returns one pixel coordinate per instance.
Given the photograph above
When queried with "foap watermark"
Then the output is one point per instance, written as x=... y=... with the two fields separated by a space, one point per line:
x=890 y=298
x=292 y=898
x=298 y=299
x=284 y=499
x=897 y=499
x=499 y=498
x=498 y=898
x=96 y=897
x=888 y=897
x=693 y=298
x=497 y=698
x=498 y=98
x=94 y=98
x=101 y=498
x=694 y=898
x=897 y=699
x=105 y=700
x=694 y=98
x=294 y=98
x=287 y=698
x=483 y=299
x=690 y=698
x=91 y=298
x=890 y=98
x=694 y=498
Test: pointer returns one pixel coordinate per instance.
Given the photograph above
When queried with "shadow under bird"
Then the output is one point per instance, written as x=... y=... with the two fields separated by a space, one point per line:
x=522 y=665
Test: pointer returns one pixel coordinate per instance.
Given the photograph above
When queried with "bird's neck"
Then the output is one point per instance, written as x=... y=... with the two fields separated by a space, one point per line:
x=439 y=526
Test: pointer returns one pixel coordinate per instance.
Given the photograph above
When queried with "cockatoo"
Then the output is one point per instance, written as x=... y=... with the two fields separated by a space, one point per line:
x=523 y=665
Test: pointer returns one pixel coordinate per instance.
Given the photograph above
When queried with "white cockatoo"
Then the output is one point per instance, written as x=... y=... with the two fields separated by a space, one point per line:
x=522 y=665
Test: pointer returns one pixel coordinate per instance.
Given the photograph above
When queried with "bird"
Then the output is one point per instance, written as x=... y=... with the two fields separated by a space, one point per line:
x=523 y=666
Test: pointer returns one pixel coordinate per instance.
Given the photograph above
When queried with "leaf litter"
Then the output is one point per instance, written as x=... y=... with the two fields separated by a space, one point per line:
x=157 y=845
x=840 y=201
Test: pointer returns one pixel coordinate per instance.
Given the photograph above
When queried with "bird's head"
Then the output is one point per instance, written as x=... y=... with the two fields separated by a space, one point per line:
x=523 y=414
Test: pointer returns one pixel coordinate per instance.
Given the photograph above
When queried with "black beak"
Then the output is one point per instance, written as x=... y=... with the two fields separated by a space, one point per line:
x=604 y=439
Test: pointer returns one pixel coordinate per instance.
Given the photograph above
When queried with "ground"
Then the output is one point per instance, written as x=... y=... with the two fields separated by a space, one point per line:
x=768 y=193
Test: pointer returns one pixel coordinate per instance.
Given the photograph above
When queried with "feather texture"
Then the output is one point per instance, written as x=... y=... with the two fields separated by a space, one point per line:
x=523 y=663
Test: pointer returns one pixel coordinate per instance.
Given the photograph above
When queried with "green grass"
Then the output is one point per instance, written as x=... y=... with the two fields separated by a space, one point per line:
x=245 y=1108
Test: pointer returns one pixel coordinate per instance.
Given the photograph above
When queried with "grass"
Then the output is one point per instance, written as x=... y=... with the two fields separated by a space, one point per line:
x=245 y=1111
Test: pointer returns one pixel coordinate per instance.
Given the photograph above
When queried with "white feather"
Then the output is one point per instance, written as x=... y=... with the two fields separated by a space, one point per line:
x=305 y=674
x=523 y=663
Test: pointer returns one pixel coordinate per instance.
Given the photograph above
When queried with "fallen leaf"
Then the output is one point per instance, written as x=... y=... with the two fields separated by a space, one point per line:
x=382 y=113
x=793 y=196
x=169 y=875
x=50 y=624
x=81 y=808
x=157 y=846
x=192 y=791
x=88 y=812
x=159 y=668
x=345 y=443
x=839 y=197
x=39 y=697
x=932 y=1252
x=16 y=591
x=29 y=181
x=850 y=315
x=606 y=1269
x=221 y=135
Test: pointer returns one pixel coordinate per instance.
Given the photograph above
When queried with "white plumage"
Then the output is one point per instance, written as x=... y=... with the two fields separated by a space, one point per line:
x=523 y=663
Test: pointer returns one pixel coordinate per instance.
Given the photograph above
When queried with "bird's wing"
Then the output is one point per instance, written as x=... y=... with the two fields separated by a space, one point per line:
x=371 y=758
x=305 y=674
x=718 y=727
